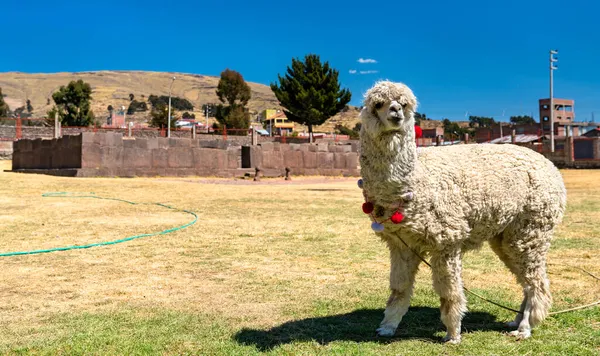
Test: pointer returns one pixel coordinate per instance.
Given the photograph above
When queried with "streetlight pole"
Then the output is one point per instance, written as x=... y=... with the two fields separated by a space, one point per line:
x=552 y=68
x=169 y=117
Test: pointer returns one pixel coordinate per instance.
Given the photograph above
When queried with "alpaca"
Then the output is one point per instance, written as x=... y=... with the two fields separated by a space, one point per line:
x=452 y=199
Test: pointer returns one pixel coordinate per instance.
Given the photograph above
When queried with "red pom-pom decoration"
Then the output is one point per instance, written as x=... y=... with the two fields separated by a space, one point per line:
x=368 y=207
x=418 y=131
x=397 y=217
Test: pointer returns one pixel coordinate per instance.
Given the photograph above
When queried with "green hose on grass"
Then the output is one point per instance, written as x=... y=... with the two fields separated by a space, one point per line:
x=105 y=243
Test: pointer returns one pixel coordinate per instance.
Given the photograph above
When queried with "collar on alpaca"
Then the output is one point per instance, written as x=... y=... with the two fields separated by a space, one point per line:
x=397 y=216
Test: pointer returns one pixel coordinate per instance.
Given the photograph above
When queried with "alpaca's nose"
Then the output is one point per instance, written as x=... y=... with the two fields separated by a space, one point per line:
x=395 y=106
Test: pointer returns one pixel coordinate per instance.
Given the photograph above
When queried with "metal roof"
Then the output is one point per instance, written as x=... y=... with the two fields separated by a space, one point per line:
x=518 y=138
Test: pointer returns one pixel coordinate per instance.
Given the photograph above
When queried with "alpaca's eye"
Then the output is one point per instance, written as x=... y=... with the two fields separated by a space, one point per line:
x=378 y=105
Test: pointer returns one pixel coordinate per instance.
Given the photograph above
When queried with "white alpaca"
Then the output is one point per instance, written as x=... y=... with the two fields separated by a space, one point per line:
x=462 y=195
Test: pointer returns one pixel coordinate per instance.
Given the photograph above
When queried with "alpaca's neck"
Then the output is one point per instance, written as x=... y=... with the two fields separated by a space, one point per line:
x=388 y=162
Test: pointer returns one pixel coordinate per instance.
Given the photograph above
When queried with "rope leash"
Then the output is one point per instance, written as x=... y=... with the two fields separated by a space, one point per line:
x=509 y=308
x=105 y=243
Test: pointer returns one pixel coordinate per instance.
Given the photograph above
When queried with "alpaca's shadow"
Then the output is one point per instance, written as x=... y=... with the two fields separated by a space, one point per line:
x=359 y=325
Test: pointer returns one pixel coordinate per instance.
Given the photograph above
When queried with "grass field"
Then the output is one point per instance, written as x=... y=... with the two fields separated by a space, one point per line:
x=276 y=268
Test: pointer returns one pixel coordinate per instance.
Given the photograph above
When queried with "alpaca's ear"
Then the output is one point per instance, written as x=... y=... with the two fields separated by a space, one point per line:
x=412 y=101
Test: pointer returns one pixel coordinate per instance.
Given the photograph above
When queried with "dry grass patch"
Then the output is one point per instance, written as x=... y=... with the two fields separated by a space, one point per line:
x=260 y=256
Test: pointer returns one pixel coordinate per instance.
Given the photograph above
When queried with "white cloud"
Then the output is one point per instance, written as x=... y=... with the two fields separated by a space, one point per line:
x=366 y=60
x=352 y=71
x=369 y=72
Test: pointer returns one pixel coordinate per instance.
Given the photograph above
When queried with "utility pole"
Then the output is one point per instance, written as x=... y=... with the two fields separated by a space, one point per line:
x=552 y=68
x=169 y=117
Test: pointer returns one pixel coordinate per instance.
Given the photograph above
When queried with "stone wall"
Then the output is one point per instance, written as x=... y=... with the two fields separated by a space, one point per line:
x=324 y=158
x=42 y=153
x=111 y=154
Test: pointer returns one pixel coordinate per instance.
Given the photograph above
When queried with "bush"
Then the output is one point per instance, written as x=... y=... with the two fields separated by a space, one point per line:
x=136 y=106
x=176 y=102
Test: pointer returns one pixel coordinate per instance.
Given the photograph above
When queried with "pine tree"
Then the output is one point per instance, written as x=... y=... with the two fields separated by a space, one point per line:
x=310 y=92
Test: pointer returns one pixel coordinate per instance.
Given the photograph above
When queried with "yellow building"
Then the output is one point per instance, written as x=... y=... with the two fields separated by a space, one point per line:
x=276 y=123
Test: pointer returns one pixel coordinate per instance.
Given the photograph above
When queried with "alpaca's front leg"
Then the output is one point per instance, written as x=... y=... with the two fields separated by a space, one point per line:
x=447 y=282
x=404 y=265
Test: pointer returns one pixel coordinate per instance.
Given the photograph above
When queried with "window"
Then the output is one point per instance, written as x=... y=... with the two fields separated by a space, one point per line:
x=559 y=118
x=545 y=118
x=569 y=118
x=545 y=106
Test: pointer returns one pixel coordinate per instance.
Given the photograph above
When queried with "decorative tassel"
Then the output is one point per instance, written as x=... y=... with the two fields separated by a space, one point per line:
x=397 y=217
x=377 y=227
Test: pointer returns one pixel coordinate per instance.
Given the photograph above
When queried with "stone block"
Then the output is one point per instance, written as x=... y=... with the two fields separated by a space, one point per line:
x=294 y=146
x=180 y=142
x=141 y=143
x=267 y=146
x=113 y=139
x=211 y=160
x=152 y=143
x=352 y=160
x=112 y=157
x=322 y=147
x=99 y=138
x=309 y=159
x=312 y=148
x=17 y=160
x=234 y=158
x=128 y=143
x=344 y=148
x=324 y=160
x=180 y=157
x=284 y=147
x=91 y=156
x=272 y=159
x=159 y=158
x=162 y=142
x=304 y=147
x=293 y=159
x=256 y=156
x=137 y=158
x=86 y=137
x=355 y=146
x=209 y=144
x=339 y=160
x=276 y=146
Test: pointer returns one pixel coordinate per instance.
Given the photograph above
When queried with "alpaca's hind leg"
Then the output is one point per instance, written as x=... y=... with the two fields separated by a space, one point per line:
x=447 y=282
x=496 y=245
x=404 y=265
x=529 y=256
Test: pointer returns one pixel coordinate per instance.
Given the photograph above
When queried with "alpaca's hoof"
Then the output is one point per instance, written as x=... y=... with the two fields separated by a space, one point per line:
x=451 y=340
x=387 y=331
x=521 y=335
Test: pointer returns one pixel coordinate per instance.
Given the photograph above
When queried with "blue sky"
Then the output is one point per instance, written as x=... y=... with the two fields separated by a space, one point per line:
x=480 y=57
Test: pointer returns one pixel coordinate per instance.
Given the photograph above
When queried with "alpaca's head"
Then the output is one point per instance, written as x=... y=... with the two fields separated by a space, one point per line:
x=389 y=108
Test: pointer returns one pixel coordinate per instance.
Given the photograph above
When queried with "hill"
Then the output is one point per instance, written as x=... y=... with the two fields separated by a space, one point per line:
x=113 y=88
